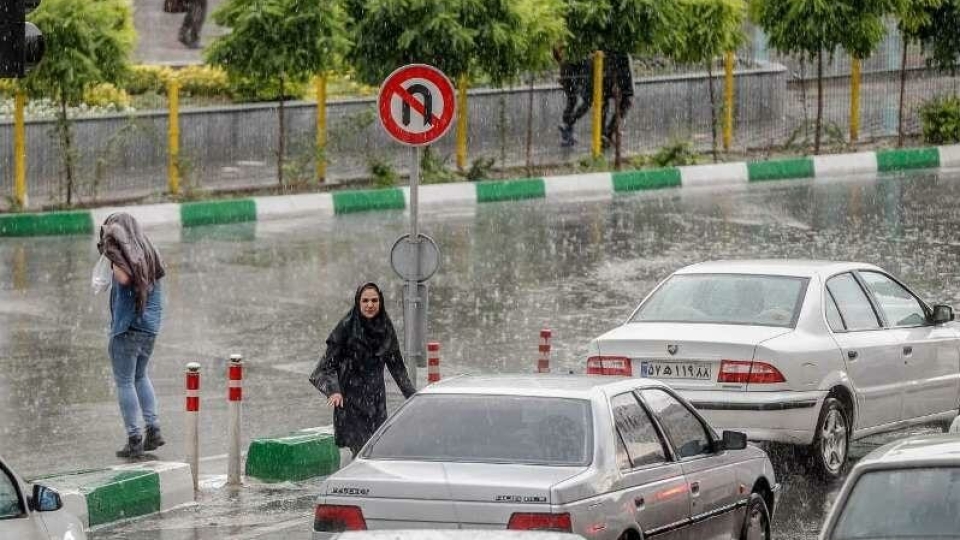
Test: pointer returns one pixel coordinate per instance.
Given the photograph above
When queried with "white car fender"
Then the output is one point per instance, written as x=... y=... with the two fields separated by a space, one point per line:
x=840 y=378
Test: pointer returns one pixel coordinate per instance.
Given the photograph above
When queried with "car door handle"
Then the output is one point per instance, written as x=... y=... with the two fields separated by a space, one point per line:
x=907 y=350
x=852 y=354
x=695 y=489
x=639 y=502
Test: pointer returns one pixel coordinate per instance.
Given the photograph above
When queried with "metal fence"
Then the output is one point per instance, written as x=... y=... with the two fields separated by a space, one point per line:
x=235 y=147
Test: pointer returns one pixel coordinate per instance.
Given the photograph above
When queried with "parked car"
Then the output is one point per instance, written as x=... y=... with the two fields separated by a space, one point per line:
x=811 y=353
x=33 y=512
x=906 y=490
x=602 y=458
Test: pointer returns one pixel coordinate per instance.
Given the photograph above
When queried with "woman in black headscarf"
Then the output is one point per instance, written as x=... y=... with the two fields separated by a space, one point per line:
x=350 y=373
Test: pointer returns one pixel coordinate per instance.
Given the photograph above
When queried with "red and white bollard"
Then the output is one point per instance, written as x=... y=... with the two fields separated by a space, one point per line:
x=543 y=362
x=235 y=405
x=193 y=420
x=433 y=362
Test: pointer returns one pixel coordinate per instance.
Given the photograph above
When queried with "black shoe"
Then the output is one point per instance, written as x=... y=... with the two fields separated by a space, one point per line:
x=153 y=440
x=566 y=136
x=133 y=449
x=606 y=142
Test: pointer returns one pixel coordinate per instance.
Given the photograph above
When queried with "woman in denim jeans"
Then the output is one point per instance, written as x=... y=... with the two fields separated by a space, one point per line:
x=136 y=306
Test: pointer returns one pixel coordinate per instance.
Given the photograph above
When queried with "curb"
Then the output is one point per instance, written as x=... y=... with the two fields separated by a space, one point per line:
x=179 y=216
x=102 y=496
x=297 y=456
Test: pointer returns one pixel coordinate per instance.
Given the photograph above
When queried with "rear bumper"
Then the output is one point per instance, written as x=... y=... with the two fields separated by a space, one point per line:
x=786 y=417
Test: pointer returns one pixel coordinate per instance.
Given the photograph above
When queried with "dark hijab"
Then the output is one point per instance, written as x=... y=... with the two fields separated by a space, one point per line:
x=123 y=242
x=376 y=335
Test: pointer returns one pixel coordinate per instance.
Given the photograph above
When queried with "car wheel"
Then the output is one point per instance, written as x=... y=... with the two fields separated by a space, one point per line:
x=756 y=522
x=832 y=443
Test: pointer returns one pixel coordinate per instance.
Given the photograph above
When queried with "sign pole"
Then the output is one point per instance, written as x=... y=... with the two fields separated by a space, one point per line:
x=414 y=316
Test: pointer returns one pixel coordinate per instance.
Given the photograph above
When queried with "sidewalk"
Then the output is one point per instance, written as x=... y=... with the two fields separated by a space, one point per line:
x=157 y=34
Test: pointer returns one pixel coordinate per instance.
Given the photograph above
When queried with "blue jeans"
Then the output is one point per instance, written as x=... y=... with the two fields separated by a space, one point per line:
x=130 y=353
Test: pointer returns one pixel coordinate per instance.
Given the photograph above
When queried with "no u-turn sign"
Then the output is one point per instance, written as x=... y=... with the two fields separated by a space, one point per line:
x=416 y=104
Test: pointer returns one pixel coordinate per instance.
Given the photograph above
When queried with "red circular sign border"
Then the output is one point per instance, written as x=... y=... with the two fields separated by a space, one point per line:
x=394 y=81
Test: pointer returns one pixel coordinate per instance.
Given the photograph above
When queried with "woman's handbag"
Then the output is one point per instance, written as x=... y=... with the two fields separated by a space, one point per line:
x=175 y=6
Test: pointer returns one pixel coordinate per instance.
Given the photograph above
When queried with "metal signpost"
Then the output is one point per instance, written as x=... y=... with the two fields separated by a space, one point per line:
x=416 y=107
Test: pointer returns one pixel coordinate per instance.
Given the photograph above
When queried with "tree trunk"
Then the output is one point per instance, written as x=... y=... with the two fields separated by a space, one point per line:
x=530 y=130
x=280 y=136
x=617 y=139
x=803 y=97
x=903 y=88
x=816 y=136
x=713 y=108
x=67 y=147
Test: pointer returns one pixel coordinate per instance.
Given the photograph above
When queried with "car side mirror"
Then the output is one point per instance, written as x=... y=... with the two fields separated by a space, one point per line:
x=45 y=499
x=942 y=314
x=734 y=440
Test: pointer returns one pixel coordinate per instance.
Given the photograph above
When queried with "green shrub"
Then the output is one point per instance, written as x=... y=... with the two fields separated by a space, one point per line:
x=8 y=88
x=480 y=169
x=677 y=153
x=384 y=175
x=246 y=89
x=106 y=95
x=143 y=79
x=202 y=81
x=940 y=118
x=433 y=168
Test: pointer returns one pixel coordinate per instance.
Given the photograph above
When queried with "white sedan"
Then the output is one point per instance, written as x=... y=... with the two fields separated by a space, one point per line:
x=33 y=512
x=811 y=353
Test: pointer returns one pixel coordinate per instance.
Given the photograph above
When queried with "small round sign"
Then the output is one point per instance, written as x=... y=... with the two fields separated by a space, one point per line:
x=405 y=253
x=416 y=104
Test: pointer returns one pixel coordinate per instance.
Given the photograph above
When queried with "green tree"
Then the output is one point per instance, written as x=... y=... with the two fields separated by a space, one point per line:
x=287 y=41
x=815 y=27
x=704 y=30
x=87 y=42
x=914 y=17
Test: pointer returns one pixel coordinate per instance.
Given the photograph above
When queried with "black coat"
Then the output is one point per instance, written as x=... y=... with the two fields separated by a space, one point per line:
x=354 y=369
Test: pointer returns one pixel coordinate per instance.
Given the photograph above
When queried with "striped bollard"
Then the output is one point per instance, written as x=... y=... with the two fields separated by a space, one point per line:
x=193 y=421
x=543 y=362
x=433 y=362
x=235 y=405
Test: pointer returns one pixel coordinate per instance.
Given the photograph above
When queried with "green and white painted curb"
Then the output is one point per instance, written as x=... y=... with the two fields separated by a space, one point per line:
x=103 y=496
x=297 y=456
x=174 y=216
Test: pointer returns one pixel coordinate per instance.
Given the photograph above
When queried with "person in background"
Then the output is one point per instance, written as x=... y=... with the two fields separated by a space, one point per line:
x=350 y=373
x=192 y=23
x=576 y=80
x=617 y=79
x=136 y=299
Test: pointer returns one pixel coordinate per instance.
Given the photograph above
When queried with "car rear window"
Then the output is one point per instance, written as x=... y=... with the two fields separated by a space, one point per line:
x=748 y=299
x=902 y=503
x=488 y=429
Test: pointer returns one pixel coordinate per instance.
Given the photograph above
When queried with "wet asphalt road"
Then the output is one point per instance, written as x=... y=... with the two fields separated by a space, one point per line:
x=272 y=291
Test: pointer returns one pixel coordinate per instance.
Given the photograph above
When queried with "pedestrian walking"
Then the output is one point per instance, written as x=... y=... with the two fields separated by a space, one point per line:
x=136 y=298
x=576 y=81
x=350 y=373
x=618 y=90
x=192 y=23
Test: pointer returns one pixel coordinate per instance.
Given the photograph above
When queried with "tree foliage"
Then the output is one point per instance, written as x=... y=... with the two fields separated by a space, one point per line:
x=704 y=29
x=630 y=26
x=295 y=39
x=498 y=39
x=940 y=36
x=87 y=42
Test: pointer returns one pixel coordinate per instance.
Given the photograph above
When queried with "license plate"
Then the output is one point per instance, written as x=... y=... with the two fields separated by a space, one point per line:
x=701 y=371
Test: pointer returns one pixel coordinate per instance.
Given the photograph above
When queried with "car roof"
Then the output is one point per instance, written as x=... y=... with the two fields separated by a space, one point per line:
x=777 y=267
x=539 y=385
x=917 y=451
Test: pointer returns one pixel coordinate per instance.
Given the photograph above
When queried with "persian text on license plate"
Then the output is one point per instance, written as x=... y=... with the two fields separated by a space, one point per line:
x=676 y=370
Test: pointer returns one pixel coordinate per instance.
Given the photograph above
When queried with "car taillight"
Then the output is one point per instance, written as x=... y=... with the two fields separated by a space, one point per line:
x=609 y=365
x=338 y=518
x=544 y=522
x=747 y=372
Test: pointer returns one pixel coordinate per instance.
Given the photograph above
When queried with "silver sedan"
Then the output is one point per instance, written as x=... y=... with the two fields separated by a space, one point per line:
x=606 y=458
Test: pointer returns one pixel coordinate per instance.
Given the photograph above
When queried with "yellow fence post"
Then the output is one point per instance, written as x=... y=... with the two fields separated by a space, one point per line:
x=173 y=136
x=19 y=151
x=462 y=122
x=597 y=103
x=854 y=99
x=321 y=89
x=728 y=95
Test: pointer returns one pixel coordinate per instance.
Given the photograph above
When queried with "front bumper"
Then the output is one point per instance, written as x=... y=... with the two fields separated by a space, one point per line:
x=786 y=417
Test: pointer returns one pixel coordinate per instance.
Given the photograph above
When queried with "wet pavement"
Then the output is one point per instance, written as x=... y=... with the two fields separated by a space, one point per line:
x=273 y=290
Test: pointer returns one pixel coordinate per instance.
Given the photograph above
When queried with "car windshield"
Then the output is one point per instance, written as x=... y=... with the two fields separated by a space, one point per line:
x=488 y=429
x=725 y=299
x=902 y=504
